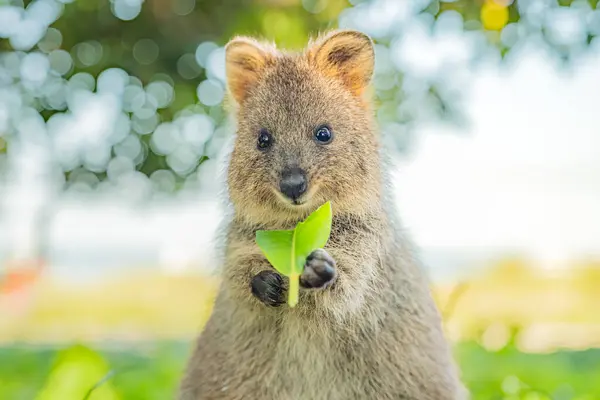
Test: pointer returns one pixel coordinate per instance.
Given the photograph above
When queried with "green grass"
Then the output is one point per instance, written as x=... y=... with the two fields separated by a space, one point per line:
x=562 y=375
x=151 y=372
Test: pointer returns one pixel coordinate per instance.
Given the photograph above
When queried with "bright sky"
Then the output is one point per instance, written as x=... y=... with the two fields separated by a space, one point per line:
x=526 y=175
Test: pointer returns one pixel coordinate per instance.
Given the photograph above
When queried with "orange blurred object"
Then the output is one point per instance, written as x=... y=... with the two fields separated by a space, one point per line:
x=17 y=283
x=19 y=275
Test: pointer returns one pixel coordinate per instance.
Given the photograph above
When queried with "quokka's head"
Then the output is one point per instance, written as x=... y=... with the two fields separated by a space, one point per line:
x=305 y=131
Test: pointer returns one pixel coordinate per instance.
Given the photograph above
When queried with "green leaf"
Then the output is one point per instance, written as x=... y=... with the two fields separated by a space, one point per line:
x=76 y=370
x=277 y=247
x=287 y=250
x=311 y=234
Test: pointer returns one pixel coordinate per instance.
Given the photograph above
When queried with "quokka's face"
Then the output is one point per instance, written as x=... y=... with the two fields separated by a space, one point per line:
x=304 y=133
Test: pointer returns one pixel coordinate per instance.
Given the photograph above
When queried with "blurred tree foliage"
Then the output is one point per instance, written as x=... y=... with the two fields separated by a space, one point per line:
x=162 y=38
x=475 y=13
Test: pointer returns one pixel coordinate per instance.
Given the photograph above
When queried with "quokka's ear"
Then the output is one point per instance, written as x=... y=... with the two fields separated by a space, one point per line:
x=347 y=55
x=245 y=60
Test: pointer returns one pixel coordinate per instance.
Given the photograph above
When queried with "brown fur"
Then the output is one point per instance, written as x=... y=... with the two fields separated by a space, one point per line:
x=376 y=333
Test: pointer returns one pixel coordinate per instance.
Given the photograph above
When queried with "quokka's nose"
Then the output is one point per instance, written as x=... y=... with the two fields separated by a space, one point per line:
x=293 y=183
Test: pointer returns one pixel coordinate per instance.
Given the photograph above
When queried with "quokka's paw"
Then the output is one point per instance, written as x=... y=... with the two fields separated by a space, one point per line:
x=319 y=271
x=267 y=286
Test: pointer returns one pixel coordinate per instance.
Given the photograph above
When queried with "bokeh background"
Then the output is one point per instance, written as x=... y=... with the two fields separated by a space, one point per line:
x=111 y=136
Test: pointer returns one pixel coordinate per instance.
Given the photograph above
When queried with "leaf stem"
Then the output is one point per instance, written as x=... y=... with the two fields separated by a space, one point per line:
x=293 y=290
x=294 y=277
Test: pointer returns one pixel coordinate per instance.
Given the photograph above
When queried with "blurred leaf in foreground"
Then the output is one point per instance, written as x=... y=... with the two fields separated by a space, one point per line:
x=77 y=370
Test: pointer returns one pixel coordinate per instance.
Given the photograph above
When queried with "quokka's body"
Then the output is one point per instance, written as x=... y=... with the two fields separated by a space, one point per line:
x=366 y=326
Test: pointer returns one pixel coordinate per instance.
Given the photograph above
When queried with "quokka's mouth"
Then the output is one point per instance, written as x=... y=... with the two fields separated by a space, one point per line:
x=293 y=203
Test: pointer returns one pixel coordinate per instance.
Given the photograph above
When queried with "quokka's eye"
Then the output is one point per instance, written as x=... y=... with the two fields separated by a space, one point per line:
x=323 y=134
x=265 y=140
